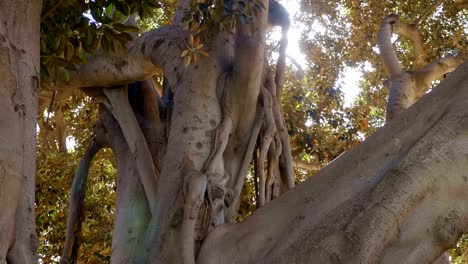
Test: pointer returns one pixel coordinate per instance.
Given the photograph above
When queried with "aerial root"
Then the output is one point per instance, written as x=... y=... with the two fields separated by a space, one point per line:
x=77 y=196
x=194 y=194
x=265 y=142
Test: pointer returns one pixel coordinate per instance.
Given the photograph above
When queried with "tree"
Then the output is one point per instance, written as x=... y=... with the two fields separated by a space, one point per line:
x=19 y=60
x=183 y=157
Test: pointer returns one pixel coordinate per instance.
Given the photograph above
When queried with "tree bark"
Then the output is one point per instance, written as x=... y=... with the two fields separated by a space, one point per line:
x=398 y=196
x=19 y=72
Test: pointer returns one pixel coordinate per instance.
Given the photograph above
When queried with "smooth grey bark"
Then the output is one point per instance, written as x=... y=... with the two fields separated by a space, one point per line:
x=19 y=72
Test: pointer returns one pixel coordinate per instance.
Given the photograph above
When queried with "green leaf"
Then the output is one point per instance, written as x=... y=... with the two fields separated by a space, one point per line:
x=108 y=10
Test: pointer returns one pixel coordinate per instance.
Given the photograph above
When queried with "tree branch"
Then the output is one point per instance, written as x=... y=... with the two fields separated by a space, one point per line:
x=121 y=110
x=183 y=6
x=412 y=33
x=61 y=127
x=435 y=70
x=306 y=165
x=428 y=11
x=143 y=59
x=387 y=52
x=77 y=197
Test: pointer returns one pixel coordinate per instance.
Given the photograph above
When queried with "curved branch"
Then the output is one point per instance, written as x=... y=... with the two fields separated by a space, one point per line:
x=412 y=33
x=152 y=51
x=387 y=52
x=77 y=196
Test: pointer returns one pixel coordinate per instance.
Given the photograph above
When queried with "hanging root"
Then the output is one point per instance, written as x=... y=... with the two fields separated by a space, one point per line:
x=77 y=196
x=265 y=142
x=273 y=169
x=194 y=193
x=288 y=169
x=232 y=210
x=61 y=127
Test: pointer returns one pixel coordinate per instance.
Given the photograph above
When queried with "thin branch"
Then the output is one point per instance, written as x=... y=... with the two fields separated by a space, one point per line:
x=61 y=127
x=428 y=11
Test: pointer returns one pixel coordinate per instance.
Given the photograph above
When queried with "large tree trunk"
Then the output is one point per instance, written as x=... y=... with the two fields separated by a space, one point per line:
x=19 y=87
x=398 y=197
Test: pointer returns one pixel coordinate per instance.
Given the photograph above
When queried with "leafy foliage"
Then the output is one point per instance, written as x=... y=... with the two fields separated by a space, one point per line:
x=221 y=14
x=70 y=29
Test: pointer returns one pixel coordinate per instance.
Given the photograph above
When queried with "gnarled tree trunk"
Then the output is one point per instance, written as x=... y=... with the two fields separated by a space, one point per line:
x=181 y=167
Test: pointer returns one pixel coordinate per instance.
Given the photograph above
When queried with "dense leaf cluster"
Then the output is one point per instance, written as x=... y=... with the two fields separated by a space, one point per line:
x=72 y=29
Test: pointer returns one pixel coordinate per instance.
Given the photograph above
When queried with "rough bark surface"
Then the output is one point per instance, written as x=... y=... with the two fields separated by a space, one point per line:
x=404 y=201
x=19 y=72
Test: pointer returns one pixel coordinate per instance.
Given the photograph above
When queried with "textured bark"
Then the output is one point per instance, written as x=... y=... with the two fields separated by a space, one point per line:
x=177 y=190
x=19 y=72
x=405 y=200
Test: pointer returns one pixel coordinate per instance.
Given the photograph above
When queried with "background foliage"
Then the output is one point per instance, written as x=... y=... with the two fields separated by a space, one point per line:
x=336 y=35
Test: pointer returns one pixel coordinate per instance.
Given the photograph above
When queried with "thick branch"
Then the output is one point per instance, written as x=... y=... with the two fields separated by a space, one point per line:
x=419 y=164
x=435 y=70
x=387 y=52
x=249 y=51
x=136 y=141
x=132 y=210
x=152 y=51
x=196 y=184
